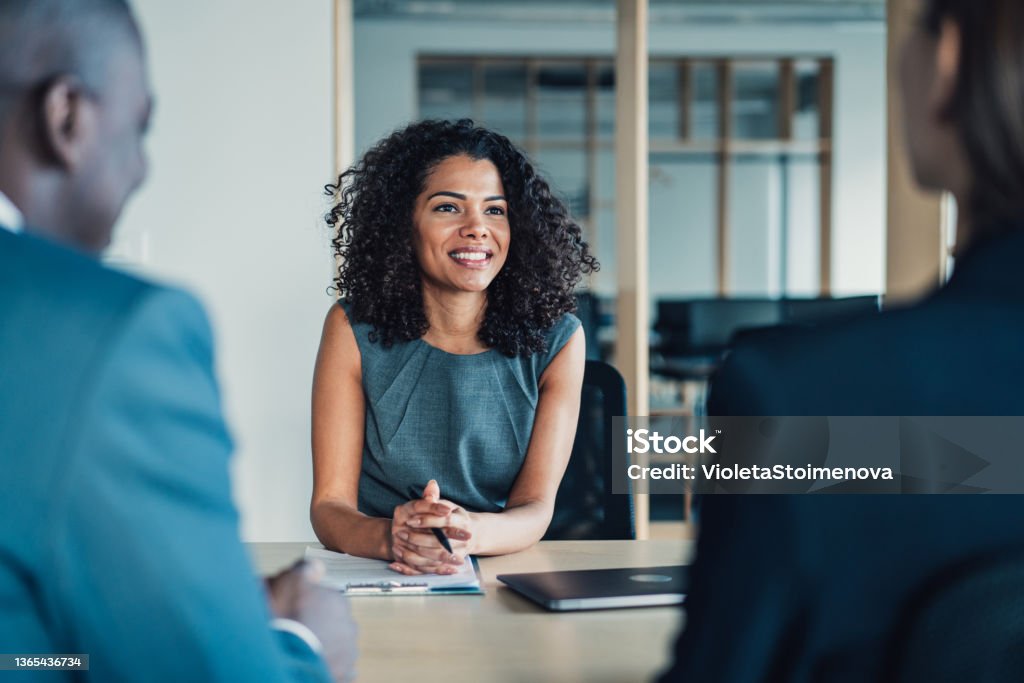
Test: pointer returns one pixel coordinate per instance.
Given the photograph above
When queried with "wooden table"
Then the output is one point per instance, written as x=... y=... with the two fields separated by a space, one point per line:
x=500 y=636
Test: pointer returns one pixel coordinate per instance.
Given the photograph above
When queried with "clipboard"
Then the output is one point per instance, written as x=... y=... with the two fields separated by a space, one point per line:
x=361 y=576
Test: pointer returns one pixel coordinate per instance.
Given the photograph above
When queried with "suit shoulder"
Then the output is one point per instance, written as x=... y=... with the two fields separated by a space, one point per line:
x=96 y=284
x=171 y=321
x=857 y=340
x=61 y=278
x=796 y=371
x=75 y=308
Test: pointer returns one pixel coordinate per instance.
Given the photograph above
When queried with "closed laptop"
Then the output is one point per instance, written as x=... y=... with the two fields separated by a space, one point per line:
x=602 y=588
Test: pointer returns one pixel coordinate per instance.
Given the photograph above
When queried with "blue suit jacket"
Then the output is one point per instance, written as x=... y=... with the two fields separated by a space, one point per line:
x=808 y=588
x=119 y=538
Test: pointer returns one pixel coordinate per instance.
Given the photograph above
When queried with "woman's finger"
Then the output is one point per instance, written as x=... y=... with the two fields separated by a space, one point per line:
x=417 y=541
x=426 y=507
x=429 y=521
x=425 y=539
x=431 y=553
x=418 y=560
x=403 y=569
x=437 y=554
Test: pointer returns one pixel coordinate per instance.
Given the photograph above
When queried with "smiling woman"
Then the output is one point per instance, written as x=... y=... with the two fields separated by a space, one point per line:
x=460 y=240
x=448 y=380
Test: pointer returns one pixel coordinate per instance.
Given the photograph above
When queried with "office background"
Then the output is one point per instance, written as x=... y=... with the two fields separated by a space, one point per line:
x=243 y=142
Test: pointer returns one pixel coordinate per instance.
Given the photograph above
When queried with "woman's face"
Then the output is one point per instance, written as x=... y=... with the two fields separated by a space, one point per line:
x=460 y=222
x=928 y=74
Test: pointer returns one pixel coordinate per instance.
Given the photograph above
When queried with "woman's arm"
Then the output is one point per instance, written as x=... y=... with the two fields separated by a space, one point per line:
x=339 y=415
x=532 y=498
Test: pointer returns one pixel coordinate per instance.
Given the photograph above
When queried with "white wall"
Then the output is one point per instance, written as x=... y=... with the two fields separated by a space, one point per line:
x=386 y=52
x=240 y=151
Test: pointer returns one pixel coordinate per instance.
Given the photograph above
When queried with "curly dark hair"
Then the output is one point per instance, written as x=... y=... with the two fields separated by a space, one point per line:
x=379 y=276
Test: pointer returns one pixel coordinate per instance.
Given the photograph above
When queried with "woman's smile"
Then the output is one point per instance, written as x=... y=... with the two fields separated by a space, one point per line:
x=476 y=258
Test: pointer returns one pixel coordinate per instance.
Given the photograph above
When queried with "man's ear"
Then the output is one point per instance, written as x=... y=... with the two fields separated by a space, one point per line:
x=67 y=123
x=947 y=68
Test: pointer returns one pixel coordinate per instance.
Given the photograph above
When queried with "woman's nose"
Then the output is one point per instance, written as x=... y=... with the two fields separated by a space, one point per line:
x=475 y=226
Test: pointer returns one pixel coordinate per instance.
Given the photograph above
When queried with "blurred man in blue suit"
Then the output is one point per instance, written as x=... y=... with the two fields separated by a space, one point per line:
x=119 y=537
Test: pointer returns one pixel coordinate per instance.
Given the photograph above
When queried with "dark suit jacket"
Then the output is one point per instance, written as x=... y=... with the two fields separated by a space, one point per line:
x=118 y=537
x=806 y=588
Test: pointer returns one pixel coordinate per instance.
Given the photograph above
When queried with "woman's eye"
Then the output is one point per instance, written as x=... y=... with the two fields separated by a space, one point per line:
x=496 y=211
x=445 y=208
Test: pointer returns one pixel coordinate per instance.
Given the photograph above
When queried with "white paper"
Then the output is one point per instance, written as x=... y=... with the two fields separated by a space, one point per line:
x=347 y=570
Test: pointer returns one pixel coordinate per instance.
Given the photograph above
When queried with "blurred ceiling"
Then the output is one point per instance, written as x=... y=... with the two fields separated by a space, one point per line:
x=661 y=11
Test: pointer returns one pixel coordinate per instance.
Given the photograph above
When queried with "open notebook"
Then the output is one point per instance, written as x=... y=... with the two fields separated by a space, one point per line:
x=360 y=576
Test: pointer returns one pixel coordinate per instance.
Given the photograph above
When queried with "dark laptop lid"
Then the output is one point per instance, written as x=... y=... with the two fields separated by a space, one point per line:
x=602 y=588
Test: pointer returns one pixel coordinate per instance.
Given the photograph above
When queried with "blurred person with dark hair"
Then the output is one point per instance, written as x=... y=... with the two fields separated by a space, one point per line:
x=453 y=364
x=810 y=588
x=119 y=537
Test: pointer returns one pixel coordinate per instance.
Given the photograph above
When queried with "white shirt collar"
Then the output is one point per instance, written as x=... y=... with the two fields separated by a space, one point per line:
x=10 y=216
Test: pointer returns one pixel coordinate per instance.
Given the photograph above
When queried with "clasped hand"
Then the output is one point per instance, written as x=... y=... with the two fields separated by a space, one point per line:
x=413 y=545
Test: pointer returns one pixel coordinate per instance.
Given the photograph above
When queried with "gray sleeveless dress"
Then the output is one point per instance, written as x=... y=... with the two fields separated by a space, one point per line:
x=464 y=420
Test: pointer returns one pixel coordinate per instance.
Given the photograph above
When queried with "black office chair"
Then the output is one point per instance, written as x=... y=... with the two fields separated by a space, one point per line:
x=585 y=507
x=695 y=332
x=967 y=624
x=822 y=310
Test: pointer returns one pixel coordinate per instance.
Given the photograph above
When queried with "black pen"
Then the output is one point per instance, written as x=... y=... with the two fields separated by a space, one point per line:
x=442 y=539
x=438 y=534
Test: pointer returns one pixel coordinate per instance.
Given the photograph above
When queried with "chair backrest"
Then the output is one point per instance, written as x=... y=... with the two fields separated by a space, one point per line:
x=817 y=311
x=966 y=624
x=690 y=327
x=585 y=507
x=707 y=326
